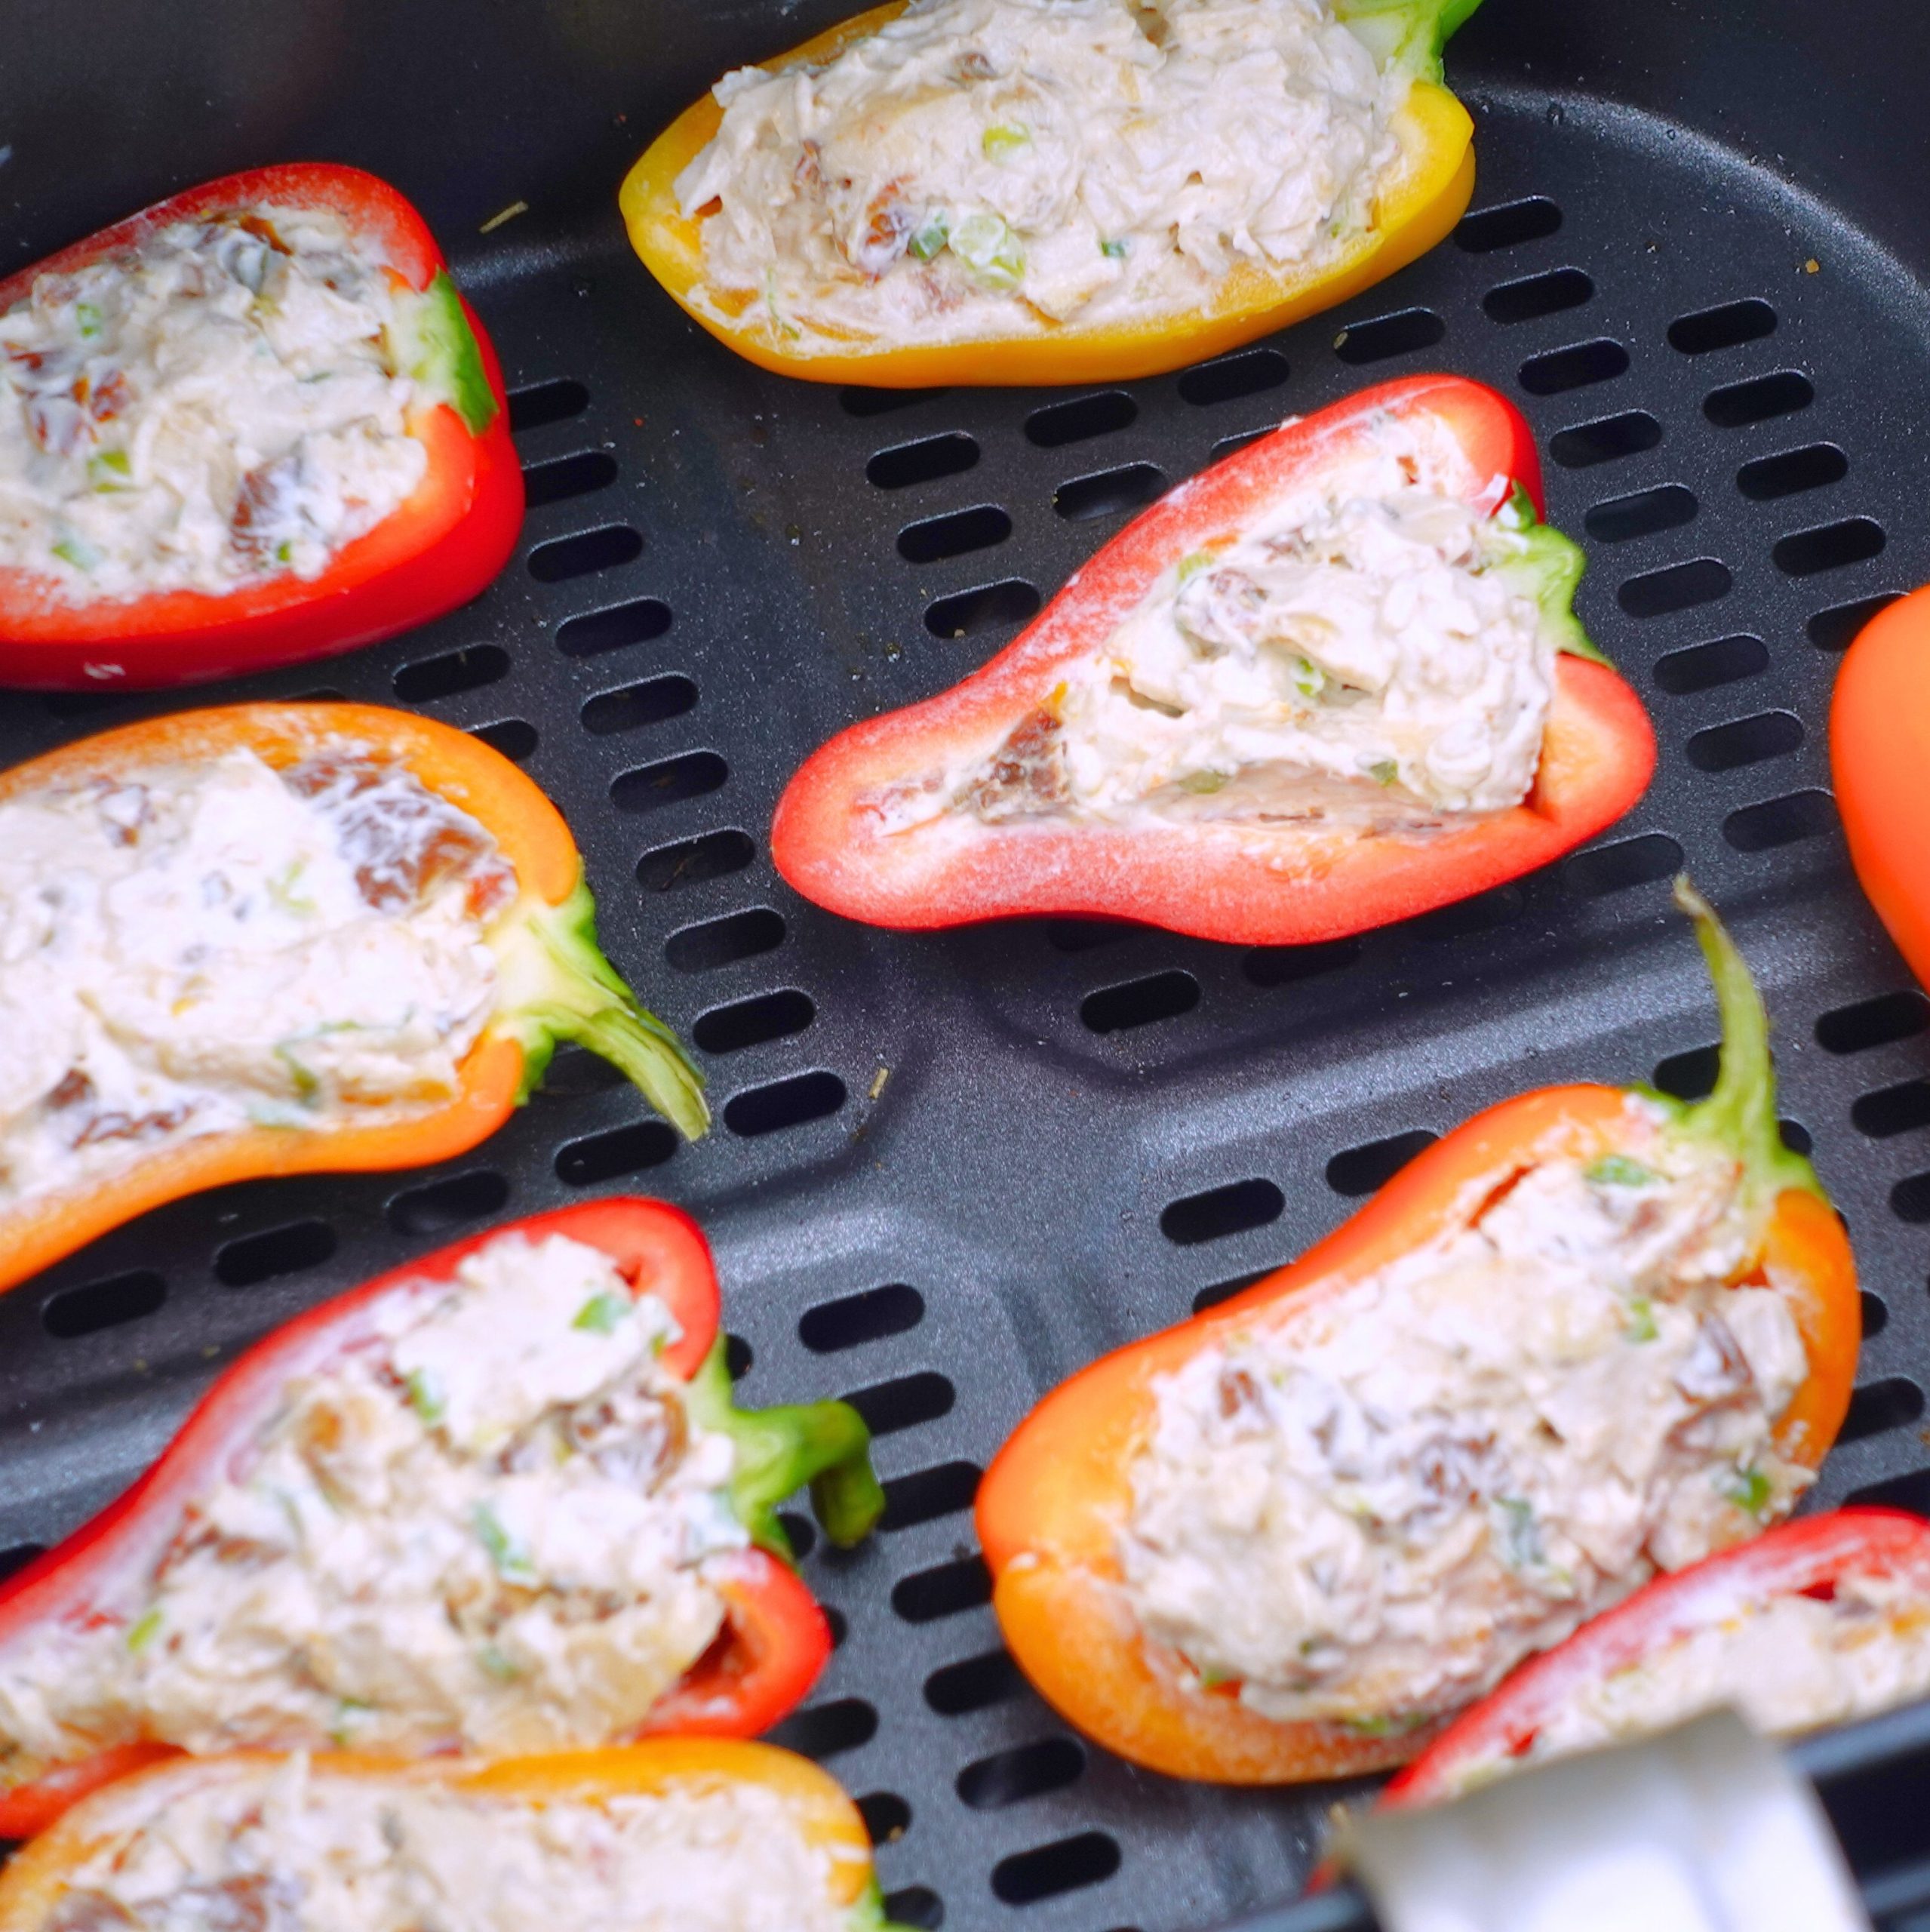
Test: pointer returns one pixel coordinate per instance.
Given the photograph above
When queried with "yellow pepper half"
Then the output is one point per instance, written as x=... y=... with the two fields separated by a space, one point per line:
x=1425 y=193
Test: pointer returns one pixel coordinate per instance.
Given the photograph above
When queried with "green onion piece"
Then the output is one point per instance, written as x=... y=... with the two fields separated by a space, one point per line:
x=1193 y=563
x=1619 y=1170
x=1749 y=1489
x=600 y=1314
x=496 y=1665
x=142 y=1631
x=1384 y=771
x=425 y=1396
x=990 y=250
x=72 y=550
x=1203 y=781
x=511 y=1561
x=1211 y=1679
x=1117 y=250
x=87 y=314
x=1001 y=143
x=1640 y=1324
x=930 y=239
x=1309 y=680
x=110 y=470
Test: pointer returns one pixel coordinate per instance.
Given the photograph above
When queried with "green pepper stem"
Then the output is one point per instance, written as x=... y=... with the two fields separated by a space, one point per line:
x=1406 y=36
x=1740 y=1113
x=1547 y=570
x=823 y=1446
x=556 y=985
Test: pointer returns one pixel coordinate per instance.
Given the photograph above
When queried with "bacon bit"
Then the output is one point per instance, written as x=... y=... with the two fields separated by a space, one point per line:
x=74 y=1087
x=807 y=173
x=888 y=226
x=256 y=505
x=1028 y=775
x=1238 y=1391
x=262 y=229
x=104 y=1128
x=111 y=397
x=972 y=65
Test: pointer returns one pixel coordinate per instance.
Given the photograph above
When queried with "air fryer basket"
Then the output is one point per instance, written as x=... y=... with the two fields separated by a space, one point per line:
x=948 y=1169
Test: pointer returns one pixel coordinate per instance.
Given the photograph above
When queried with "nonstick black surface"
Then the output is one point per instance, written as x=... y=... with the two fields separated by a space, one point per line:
x=949 y=1170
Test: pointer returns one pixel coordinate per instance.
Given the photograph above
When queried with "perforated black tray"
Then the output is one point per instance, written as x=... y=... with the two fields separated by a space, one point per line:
x=947 y=1170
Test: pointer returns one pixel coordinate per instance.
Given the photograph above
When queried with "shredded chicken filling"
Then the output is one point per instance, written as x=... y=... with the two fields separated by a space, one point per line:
x=304 y=1849
x=217 y=406
x=1368 y=1510
x=1002 y=167
x=190 y=949
x=490 y=1523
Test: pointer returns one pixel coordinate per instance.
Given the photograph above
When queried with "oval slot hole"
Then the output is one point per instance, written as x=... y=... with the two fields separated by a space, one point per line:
x=1899 y=1110
x=1218 y=1212
x=1027 y=1771
x=1737 y=405
x=1107 y=493
x=904 y=1403
x=1690 y=1074
x=1805 y=552
x=1680 y=587
x=617 y=1150
x=668 y=782
x=1232 y=377
x=862 y=403
x=853 y=1320
x=274 y=1252
x=1401 y=333
x=1747 y=741
x=1500 y=906
x=1282 y=965
x=990 y=606
x=1727 y=327
x=948 y=1590
x=515 y=738
x=927 y=1494
x=1621 y=519
x=1507 y=225
x=1535 y=296
x=653 y=701
x=691 y=861
x=598 y=631
x=886 y=1816
x=1064 y=1865
x=1879 y=1406
x=1837 y=628
x=974 y=1683
x=956 y=535
x=1723 y=661
x=925 y=461
x=1910 y=1199
x=1783 y=821
x=1878 y=1021
x=1216 y=1292
x=542 y=404
x=914 y=1905
x=1792 y=472
x=1361 y=1169
x=1140 y=1002
x=1631 y=861
x=86 y=1310
x=1058 y=423
x=701 y=949
x=822 y=1730
x=1575 y=368
x=1607 y=440
x=783 y=1103
x=454 y=671
x=448 y=1204
x=595 y=550
x=1876 y=1313
x=750 y=1023
x=567 y=476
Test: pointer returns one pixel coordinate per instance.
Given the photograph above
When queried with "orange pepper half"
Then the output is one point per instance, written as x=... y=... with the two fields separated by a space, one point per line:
x=553 y=984
x=1051 y=1506
x=1424 y=194
x=40 y=1877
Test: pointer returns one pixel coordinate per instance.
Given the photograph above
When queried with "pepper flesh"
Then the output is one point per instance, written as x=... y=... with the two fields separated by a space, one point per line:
x=1794 y=1559
x=1266 y=885
x=554 y=985
x=1427 y=193
x=443 y=546
x=776 y=1640
x=1050 y=1505
x=38 y=1877
x=1879 y=749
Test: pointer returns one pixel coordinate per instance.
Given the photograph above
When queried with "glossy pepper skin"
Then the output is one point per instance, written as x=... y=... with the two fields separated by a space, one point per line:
x=554 y=984
x=1050 y=1506
x=776 y=1639
x=1272 y=885
x=1805 y=1558
x=441 y=548
x=38 y=1877
x=1427 y=194
x=1879 y=751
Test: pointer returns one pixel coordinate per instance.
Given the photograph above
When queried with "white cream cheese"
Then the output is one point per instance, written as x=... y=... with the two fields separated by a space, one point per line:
x=212 y=408
x=995 y=167
x=1369 y=1509
x=303 y=1849
x=490 y=1525
x=195 y=949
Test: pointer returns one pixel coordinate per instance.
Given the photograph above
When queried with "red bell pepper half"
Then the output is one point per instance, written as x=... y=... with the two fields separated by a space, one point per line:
x=1255 y=882
x=1813 y=1556
x=441 y=548
x=775 y=1639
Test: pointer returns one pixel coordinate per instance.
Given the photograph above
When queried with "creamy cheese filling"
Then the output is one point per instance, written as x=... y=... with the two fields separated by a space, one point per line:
x=1369 y=1509
x=306 y=1850
x=1788 y=1663
x=999 y=167
x=194 y=948
x=1361 y=657
x=486 y=1524
x=215 y=407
